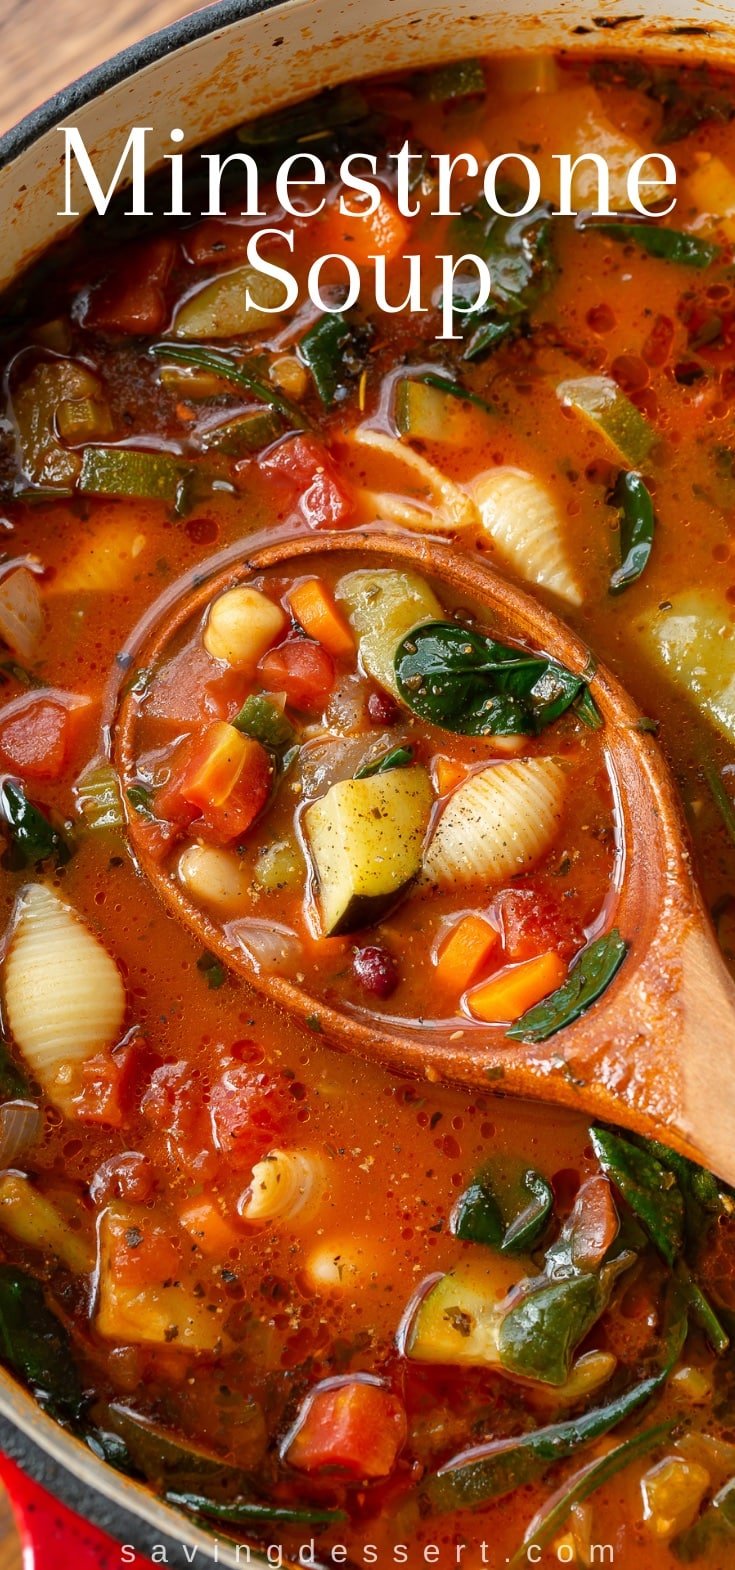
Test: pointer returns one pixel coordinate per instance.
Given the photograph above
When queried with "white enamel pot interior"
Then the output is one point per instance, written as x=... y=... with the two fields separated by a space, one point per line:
x=234 y=60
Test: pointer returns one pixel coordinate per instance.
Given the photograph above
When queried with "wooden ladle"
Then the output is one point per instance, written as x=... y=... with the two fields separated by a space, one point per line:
x=656 y=1053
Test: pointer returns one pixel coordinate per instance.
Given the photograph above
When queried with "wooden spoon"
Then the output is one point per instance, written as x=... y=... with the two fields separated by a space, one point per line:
x=656 y=1053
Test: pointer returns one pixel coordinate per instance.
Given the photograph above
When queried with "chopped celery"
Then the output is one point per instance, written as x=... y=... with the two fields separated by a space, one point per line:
x=98 y=798
x=126 y=471
x=244 y=434
x=600 y=402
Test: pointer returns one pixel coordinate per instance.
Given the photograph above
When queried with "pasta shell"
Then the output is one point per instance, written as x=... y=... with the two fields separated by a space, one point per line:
x=285 y=1184
x=64 y=995
x=498 y=823
x=520 y=515
x=428 y=500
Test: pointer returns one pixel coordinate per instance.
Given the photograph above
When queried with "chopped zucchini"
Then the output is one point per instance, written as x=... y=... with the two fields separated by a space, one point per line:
x=459 y=1319
x=36 y=403
x=244 y=434
x=424 y=413
x=280 y=866
x=173 y=1460
x=383 y=605
x=125 y=471
x=219 y=310
x=130 y=1311
x=693 y=641
x=366 y=838
x=599 y=401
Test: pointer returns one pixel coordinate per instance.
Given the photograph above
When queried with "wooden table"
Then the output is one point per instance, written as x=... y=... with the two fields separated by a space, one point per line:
x=45 y=44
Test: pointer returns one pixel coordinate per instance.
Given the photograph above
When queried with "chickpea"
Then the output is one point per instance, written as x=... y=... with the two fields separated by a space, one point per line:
x=241 y=625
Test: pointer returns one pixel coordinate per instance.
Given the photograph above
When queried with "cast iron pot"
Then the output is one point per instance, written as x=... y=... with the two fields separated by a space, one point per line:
x=207 y=73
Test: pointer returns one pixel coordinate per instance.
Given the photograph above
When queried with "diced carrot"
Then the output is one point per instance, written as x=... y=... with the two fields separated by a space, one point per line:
x=466 y=952
x=356 y=1427
x=223 y=775
x=216 y=765
x=211 y=1231
x=314 y=608
x=448 y=774
x=506 y=996
x=382 y=233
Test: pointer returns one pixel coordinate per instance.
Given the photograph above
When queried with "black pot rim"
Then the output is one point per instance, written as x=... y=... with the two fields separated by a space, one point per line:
x=128 y=62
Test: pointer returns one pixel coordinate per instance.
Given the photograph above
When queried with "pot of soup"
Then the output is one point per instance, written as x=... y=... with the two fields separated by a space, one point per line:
x=267 y=1297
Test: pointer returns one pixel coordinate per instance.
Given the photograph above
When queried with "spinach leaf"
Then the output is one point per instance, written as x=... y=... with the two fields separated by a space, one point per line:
x=704 y=1315
x=322 y=350
x=596 y=1474
x=495 y=1469
x=715 y=1528
x=34 y=838
x=478 y=1216
x=649 y=1188
x=672 y=245
x=13 y=1085
x=517 y=251
x=637 y=525
x=444 y=84
x=530 y=1223
x=229 y=370
x=35 y=1345
x=244 y=1510
x=396 y=758
x=468 y=683
x=590 y=975
x=539 y=1334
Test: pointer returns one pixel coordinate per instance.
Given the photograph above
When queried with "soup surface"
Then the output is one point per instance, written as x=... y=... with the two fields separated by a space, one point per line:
x=299 y=1297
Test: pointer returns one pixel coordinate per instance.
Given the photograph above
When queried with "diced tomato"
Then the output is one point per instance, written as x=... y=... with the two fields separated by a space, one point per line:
x=247 y=1112
x=35 y=741
x=222 y=777
x=191 y=688
x=533 y=922
x=132 y=299
x=325 y=500
x=300 y=668
x=112 y=1084
x=356 y=1427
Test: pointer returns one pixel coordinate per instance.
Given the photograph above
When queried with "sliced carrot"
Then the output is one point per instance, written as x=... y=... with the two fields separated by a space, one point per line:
x=216 y=765
x=517 y=988
x=382 y=233
x=466 y=952
x=315 y=611
x=211 y=1231
x=448 y=774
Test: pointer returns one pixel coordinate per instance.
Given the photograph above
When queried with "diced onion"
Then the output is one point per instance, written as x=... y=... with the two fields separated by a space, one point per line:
x=20 y=1126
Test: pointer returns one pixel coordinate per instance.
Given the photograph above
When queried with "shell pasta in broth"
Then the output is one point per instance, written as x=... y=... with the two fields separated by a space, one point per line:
x=297 y=1296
